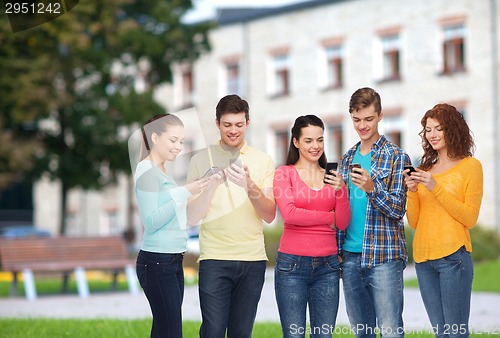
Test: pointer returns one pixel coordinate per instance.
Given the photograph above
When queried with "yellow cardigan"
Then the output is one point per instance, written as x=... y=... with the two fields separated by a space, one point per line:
x=442 y=217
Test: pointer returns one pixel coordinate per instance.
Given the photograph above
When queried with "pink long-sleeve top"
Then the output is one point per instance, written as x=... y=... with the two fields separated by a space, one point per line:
x=308 y=214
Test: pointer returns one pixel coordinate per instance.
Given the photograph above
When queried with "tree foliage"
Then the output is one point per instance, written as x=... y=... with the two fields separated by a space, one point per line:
x=66 y=107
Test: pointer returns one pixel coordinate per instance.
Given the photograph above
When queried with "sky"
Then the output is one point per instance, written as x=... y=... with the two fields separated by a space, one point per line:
x=205 y=9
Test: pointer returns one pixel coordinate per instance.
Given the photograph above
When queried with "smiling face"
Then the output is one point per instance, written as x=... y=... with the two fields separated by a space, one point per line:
x=232 y=128
x=311 y=143
x=167 y=145
x=365 y=121
x=434 y=134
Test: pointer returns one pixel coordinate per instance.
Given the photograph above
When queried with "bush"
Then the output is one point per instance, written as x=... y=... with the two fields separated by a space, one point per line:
x=409 y=234
x=485 y=243
x=272 y=235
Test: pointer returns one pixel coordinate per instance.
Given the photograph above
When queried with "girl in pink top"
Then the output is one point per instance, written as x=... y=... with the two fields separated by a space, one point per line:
x=313 y=206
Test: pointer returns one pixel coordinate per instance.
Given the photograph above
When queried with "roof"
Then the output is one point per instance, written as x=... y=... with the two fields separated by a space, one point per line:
x=232 y=15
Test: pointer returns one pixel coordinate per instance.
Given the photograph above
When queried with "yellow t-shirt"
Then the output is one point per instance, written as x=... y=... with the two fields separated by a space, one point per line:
x=442 y=217
x=232 y=230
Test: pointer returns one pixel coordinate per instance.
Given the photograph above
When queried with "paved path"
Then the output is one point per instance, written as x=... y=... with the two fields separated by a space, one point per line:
x=485 y=307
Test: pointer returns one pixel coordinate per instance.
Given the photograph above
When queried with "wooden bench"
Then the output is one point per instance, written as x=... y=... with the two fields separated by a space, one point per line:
x=66 y=255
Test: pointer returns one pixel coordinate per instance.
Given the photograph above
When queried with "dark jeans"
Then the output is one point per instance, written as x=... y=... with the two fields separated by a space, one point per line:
x=162 y=278
x=229 y=294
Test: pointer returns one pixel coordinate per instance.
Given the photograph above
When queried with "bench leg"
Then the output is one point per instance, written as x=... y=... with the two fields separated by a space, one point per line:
x=81 y=283
x=13 y=285
x=131 y=279
x=29 y=284
x=114 y=283
x=65 y=279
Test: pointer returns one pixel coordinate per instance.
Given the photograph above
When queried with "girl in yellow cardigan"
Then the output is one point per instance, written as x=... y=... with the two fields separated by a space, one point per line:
x=444 y=199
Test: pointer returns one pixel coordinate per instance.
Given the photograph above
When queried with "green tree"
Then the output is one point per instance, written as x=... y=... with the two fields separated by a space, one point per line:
x=62 y=104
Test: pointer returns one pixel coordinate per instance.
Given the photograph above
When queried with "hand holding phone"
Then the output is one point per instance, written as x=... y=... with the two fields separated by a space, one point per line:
x=210 y=172
x=237 y=161
x=409 y=167
x=330 y=166
x=352 y=166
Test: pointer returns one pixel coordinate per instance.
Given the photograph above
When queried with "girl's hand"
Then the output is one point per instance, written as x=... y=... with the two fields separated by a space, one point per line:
x=197 y=186
x=411 y=183
x=333 y=224
x=334 y=180
x=425 y=178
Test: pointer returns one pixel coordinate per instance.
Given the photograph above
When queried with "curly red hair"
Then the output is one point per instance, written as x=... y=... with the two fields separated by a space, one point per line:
x=457 y=135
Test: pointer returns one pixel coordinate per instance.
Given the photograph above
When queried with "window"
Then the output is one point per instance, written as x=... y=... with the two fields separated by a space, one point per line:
x=393 y=125
x=183 y=86
x=187 y=87
x=334 y=66
x=453 y=48
x=109 y=225
x=233 y=78
x=461 y=106
x=334 y=144
x=391 y=56
x=281 y=75
x=281 y=151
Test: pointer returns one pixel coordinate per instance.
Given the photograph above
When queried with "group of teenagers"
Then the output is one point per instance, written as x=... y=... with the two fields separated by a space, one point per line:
x=345 y=223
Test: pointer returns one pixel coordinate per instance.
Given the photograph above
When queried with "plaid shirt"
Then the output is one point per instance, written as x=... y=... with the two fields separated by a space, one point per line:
x=384 y=238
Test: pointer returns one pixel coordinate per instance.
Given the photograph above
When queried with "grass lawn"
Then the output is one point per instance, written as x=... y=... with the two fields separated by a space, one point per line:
x=486 y=277
x=35 y=328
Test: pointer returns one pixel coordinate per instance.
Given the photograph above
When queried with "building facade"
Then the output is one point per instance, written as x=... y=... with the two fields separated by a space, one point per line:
x=308 y=58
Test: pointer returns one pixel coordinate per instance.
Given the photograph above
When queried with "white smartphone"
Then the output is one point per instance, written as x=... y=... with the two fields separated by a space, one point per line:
x=210 y=172
x=237 y=161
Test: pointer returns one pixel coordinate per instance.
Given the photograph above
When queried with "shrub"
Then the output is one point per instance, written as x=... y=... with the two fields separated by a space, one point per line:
x=409 y=234
x=272 y=235
x=485 y=243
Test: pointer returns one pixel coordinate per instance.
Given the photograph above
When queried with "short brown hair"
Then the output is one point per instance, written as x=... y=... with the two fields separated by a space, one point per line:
x=365 y=97
x=232 y=104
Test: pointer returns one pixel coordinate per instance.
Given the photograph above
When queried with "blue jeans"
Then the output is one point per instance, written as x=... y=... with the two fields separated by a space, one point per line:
x=373 y=296
x=301 y=281
x=229 y=294
x=162 y=278
x=445 y=286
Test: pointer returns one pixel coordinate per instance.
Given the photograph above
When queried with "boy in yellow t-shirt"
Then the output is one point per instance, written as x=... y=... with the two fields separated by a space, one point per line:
x=232 y=254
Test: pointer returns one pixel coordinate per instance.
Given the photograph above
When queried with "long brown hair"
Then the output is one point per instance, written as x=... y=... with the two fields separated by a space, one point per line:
x=457 y=135
x=302 y=122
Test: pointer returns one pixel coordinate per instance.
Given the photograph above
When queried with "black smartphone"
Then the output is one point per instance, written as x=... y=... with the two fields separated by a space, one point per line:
x=354 y=165
x=412 y=170
x=333 y=166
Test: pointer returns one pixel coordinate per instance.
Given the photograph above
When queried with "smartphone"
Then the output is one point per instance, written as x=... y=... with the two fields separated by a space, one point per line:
x=209 y=172
x=333 y=166
x=236 y=160
x=354 y=165
x=412 y=170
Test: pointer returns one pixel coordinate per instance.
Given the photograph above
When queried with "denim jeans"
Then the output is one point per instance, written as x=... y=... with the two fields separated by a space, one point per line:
x=373 y=296
x=301 y=281
x=162 y=278
x=445 y=286
x=229 y=294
